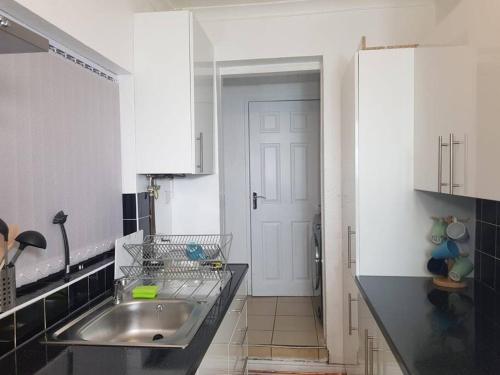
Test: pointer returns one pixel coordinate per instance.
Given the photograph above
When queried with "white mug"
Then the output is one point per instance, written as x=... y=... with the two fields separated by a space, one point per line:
x=457 y=231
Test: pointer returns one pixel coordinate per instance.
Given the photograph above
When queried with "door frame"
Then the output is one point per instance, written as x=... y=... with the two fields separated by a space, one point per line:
x=245 y=69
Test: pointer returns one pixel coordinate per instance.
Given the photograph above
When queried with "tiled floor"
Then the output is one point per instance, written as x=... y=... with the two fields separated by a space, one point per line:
x=285 y=328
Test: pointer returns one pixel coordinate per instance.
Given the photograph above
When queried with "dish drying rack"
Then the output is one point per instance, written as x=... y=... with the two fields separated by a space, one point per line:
x=165 y=259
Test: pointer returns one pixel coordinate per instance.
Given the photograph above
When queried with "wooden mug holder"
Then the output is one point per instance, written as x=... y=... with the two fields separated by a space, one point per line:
x=446 y=282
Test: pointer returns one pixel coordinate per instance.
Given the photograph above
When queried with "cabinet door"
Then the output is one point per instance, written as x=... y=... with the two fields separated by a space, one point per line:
x=349 y=120
x=203 y=99
x=164 y=134
x=444 y=108
x=350 y=324
x=483 y=179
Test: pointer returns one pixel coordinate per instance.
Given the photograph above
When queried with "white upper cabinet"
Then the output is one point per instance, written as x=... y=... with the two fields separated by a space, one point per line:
x=444 y=111
x=174 y=94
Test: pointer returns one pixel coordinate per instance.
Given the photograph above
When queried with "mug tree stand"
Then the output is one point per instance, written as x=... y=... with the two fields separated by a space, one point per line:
x=446 y=282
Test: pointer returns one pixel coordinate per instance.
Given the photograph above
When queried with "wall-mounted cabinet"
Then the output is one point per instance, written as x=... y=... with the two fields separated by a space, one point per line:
x=456 y=115
x=174 y=94
x=444 y=118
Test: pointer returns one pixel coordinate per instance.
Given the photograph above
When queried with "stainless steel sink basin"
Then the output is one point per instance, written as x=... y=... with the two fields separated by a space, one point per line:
x=155 y=323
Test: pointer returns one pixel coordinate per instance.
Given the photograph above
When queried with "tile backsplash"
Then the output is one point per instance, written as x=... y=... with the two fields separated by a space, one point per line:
x=487 y=258
x=135 y=213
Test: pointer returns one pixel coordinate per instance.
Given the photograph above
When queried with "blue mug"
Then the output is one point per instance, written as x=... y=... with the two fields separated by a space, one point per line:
x=438 y=267
x=448 y=249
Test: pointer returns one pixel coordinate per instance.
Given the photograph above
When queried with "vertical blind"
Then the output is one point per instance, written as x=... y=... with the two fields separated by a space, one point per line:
x=59 y=150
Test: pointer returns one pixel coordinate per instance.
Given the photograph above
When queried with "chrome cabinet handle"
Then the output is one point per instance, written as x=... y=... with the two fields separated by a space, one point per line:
x=452 y=144
x=371 y=350
x=367 y=355
x=440 y=164
x=200 y=165
x=350 y=300
x=350 y=233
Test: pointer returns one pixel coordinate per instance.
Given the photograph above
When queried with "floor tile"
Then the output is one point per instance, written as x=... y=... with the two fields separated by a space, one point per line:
x=260 y=337
x=294 y=299
x=261 y=308
x=260 y=352
x=262 y=299
x=260 y=323
x=295 y=338
x=295 y=353
x=295 y=323
x=295 y=309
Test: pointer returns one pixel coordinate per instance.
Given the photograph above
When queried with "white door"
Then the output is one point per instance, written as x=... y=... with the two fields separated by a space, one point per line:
x=285 y=178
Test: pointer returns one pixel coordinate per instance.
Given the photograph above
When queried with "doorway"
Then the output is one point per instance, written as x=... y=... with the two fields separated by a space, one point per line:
x=270 y=182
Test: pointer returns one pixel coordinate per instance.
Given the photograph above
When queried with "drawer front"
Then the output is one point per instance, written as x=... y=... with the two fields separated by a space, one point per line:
x=238 y=347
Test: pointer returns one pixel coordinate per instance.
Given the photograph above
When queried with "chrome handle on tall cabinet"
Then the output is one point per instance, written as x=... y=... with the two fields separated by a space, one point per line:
x=371 y=350
x=350 y=233
x=440 y=164
x=200 y=165
x=350 y=300
x=452 y=144
x=367 y=353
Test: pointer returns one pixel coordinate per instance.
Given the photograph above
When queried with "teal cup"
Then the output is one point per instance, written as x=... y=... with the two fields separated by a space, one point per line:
x=448 y=249
x=461 y=268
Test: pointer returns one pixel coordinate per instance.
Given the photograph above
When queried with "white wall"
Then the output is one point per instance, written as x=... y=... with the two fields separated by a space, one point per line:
x=335 y=36
x=236 y=93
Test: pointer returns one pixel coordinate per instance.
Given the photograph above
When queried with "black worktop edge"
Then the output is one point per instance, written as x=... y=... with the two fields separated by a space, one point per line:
x=380 y=324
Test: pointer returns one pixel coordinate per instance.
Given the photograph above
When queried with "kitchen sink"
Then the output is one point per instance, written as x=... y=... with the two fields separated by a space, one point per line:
x=146 y=323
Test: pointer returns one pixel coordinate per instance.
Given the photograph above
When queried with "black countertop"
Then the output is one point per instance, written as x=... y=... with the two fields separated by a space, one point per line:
x=433 y=331
x=39 y=358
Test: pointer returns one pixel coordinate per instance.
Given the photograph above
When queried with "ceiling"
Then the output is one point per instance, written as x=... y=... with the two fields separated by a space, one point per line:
x=164 y=5
x=190 y=4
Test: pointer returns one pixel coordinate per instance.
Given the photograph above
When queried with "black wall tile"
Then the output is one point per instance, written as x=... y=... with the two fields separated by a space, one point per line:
x=478 y=235
x=143 y=204
x=110 y=276
x=97 y=284
x=489 y=211
x=144 y=225
x=78 y=294
x=129 y=226
x=129 y=206
x=488 y=270
x=8 y=365
x=6 y=334
x=56 y=306
x=29 y=321
x=488 y=238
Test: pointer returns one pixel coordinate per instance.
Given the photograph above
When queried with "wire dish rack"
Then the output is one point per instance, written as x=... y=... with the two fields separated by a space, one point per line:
x=179 y=257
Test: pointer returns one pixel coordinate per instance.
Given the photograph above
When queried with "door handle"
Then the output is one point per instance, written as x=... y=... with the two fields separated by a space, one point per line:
x=254 y=199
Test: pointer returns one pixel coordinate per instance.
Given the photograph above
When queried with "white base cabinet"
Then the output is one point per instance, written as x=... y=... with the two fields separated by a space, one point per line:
x=228 y=352
x=374 y=357
x=174 y=77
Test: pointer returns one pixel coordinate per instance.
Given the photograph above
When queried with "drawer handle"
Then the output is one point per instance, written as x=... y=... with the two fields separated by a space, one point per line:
x=350 y=300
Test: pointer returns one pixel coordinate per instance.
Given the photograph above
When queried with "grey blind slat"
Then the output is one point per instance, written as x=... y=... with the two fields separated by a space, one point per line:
x=59 y=149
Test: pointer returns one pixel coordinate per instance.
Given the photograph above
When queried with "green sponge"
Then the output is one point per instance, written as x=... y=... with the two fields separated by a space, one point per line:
x=145 y=292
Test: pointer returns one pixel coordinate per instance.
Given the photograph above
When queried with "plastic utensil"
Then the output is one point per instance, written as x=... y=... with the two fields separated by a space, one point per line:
x=28 y=238
x=4 y=231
